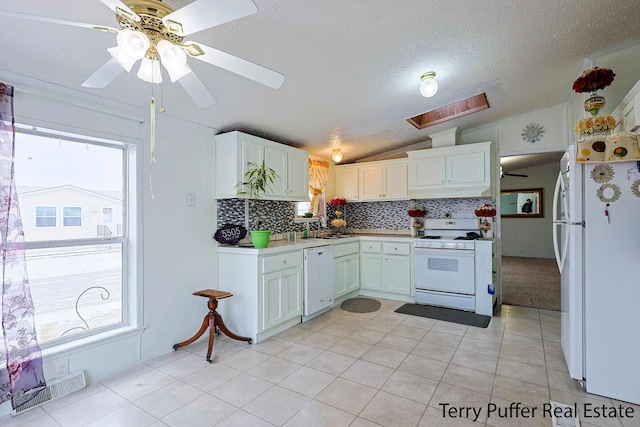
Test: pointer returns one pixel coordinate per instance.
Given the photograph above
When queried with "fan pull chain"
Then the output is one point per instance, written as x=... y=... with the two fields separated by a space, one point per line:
x=152 y=138
x=161 y=109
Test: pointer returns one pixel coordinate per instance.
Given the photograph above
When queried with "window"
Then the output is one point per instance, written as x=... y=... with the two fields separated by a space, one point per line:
x=77 y=270
x=72 y=216
x=45 y=216
x=302 y=208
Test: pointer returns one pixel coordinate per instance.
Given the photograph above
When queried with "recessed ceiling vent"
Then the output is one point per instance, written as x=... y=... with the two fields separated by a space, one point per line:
x=450 y=112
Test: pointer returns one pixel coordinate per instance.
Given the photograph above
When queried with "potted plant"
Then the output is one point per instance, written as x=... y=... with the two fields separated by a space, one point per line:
x=256 y=183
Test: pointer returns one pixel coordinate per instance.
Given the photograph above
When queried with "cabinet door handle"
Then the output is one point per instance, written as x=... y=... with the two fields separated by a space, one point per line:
x=284 y=262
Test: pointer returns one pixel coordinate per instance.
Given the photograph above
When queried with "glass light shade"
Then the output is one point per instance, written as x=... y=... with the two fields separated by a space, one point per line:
x=337 y=156
x=133 y=44
x=122 y=59
x=429 y=85
x=174 y=60
x=150 y=71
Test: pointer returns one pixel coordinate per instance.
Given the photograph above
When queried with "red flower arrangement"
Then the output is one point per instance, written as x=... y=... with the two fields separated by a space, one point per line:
x=593 y=79
x=485 y=211
x=338 y=201
x=417 y=212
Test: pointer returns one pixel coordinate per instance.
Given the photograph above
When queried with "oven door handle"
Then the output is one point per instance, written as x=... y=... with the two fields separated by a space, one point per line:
x=449 y=252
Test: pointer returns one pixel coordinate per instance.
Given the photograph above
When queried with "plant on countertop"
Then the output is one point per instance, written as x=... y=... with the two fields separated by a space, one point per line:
x=256 y=183
x=338 y=223
x=338 y=201
x=593 y=79
x=417 y=212
x=485 y=210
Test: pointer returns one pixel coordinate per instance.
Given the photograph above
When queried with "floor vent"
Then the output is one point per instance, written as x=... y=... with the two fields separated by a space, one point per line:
x=56 y=388
x=564 y=415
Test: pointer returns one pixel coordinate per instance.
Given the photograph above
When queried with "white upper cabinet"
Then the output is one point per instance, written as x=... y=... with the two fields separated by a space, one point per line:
x=448 y=172
x=373 y=181
x=276 y=159
x=347 y=182
x=234 y=151
x=627 y=113
x=298 y=174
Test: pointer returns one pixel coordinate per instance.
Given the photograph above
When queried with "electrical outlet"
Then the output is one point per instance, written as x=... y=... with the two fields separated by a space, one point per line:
x=62 y=367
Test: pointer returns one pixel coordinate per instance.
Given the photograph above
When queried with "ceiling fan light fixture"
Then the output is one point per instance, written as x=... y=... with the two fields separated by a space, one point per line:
x=150 y=71
x=429 y=85
x=337 y=156
x=174 y=60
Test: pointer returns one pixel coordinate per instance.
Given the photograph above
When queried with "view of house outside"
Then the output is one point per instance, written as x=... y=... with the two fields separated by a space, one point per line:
x=71 y=205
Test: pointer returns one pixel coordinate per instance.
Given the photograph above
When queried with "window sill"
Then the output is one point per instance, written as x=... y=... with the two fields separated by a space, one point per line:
x=300 y=219
x=92 y=341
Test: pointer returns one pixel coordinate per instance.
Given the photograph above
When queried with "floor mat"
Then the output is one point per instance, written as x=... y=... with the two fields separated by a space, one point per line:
x=446 y=314
x=360 y=305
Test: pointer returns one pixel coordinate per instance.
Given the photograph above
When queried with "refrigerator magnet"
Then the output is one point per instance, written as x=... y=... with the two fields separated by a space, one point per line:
x=635 y=188
x=608 y=193
x=602 y=173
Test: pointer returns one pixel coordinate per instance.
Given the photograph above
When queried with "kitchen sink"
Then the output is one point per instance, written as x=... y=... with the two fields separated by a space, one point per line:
x=339 y=236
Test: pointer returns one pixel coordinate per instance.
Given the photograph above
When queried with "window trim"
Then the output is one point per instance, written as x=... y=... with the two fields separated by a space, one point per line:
x=131 y=276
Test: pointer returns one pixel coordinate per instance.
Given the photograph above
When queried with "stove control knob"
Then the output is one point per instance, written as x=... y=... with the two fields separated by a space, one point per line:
x=460 y=245
x=442 y=245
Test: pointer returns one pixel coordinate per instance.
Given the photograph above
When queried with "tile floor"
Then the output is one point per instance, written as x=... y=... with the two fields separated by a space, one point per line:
x=342 y=369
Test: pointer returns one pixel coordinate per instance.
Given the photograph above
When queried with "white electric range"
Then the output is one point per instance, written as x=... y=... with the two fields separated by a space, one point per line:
x=451 y=266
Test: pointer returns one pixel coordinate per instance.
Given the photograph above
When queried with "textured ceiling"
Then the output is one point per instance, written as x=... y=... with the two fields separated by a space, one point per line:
x=352 y=68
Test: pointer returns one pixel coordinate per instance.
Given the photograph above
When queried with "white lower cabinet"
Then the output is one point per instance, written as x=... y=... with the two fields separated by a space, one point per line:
x=386 y=267
x=280 y=297
x=346 y=269
x=267 y=292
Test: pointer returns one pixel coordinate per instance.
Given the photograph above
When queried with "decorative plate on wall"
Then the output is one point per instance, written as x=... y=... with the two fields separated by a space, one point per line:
x=532 y=132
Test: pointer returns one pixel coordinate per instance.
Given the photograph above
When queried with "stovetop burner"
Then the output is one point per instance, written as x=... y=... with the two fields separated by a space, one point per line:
x=472 y=235
x=430 y=237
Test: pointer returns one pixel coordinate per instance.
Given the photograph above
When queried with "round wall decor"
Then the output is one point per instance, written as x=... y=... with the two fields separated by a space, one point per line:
x=532 y=132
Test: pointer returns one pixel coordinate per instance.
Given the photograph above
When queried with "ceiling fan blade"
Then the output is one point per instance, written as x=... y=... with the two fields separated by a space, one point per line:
x=236 y=65
x=203 y=14
x=197 y=90
x=121 y=9
x=57 y=21
x=104 y=75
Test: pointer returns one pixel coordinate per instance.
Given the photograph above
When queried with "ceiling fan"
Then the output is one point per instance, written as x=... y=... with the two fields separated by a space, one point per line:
x=154 y=33
x=504 y=173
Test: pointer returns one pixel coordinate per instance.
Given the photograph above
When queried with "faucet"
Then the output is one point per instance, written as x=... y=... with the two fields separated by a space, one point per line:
x=322 y=222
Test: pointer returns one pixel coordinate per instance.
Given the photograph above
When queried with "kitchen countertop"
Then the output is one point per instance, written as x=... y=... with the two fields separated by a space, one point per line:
x=276 y=246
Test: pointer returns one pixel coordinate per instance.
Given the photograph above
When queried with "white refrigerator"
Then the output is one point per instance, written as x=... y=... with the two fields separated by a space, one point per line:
x=596 y=235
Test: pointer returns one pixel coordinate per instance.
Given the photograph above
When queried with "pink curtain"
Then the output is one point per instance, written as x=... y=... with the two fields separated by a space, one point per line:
x=22 y=379
x=318 y=179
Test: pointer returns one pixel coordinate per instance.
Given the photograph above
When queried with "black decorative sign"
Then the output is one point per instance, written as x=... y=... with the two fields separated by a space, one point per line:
x=230 y=234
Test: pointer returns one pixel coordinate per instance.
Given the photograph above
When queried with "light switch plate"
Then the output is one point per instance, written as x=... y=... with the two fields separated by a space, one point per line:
x=191 y=199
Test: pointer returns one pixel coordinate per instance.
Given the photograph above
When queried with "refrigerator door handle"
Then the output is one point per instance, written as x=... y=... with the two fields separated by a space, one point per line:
x=556 y=195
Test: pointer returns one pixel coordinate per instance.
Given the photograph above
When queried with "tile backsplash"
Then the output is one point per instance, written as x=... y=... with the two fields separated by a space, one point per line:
x=279 y=215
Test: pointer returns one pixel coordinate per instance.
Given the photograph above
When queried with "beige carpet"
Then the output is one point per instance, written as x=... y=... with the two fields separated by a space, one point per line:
x=531 y=282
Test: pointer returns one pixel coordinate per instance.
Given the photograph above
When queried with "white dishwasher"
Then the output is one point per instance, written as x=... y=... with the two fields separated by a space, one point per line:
x=318 y=281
